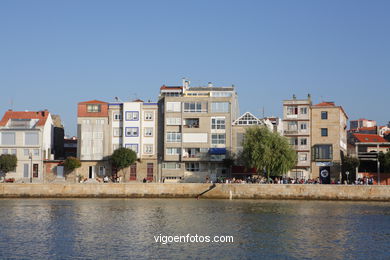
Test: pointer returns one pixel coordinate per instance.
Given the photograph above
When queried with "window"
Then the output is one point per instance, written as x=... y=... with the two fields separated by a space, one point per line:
x=117 y=116
x=13 y=151
x=220 y=107
x=173 y=121
x=148 y=148
x=195 y=107
x=132 y=115
x=171 y=165
x=133 y=147
x=101 y=171
x=191 y=122
x=292 y=110
x=173 y=107
x=8 y=138
x=324 y=115
x=322 y=152
x=4 y=151
x=303 y=126
x=172 y=151
x=218 y=139
x=31 y=138
x=131 y=131
x=173 y=137
x=217 y=123
x=303 y=110
x=100 y=121
x=294 y=141
x=149 y=115
x=117 y=131
x=192 y=166
x=86 y=121
x=221 y=94
x=26 y=152
x=36 y=152
x=94 y=108
x=303 y=141
x=324 y=131
x=148 y=131
x=303 y=157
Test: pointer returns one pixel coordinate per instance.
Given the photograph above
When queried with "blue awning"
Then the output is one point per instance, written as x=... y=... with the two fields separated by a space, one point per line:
x=217 y=151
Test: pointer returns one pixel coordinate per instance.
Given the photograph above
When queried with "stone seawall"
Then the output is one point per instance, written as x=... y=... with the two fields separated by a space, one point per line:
x=189 y=190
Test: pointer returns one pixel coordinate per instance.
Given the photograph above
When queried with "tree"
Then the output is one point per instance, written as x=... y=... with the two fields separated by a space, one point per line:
x=72 y=163
x=384 y=160
x=123 y=158
x=269 y=151
x=8 y=163
x=349 y=164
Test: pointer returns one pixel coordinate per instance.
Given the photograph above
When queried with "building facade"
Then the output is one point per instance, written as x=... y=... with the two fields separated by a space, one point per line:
x=297 y=128
x=328 y=140
x=30 y=136
x=195 y=131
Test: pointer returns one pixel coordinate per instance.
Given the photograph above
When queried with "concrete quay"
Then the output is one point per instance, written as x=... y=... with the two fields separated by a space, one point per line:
x=194 y=190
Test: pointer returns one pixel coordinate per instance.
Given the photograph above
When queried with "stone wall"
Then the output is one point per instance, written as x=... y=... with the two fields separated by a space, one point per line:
x=219 y=191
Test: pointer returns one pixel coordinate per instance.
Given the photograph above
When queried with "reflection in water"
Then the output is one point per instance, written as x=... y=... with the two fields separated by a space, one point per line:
x=124 y=228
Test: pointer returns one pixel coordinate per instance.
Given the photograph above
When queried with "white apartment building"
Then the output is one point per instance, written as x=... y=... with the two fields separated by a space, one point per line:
x=28 y=135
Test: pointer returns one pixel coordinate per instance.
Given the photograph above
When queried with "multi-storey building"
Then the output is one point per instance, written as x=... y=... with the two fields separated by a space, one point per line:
x=29 y=136
x=134 y=125
x=195 y=124
x=93 y=138
x=328 y=140
x=296 y=127
x=360 y=123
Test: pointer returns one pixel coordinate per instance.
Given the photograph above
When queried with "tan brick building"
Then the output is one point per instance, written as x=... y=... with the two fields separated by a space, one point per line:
x=328 y=140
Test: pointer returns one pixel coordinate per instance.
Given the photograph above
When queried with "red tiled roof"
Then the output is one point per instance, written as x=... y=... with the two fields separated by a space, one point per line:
x=325 y=104
x=369 y=138
x=171 y=87
x=41 y=115
x=93 y=102
x=367 y=128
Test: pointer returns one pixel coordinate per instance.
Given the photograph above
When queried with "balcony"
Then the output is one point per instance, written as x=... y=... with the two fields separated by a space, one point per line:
x=291 y=132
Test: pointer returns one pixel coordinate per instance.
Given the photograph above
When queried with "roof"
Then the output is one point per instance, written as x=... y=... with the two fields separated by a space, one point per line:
x=10 y=114
x=93 y=102
x=171 y=87
x=325 y=104
x=248 y=119
x=367 y=128
x=369 y=138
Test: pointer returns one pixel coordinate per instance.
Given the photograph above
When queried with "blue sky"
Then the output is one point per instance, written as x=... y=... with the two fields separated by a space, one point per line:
x=54 y=54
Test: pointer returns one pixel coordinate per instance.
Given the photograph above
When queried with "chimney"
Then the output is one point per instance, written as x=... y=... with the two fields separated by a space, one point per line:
x=210 y=85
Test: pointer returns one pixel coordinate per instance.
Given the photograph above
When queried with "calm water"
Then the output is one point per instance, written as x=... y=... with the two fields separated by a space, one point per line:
x=124 y=228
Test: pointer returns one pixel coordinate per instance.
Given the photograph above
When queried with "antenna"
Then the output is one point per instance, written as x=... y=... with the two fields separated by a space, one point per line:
x=263 y=112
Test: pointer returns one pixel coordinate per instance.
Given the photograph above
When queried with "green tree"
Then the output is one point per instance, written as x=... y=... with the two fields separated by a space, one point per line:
x=269 y=151
x=384 y=160
x=8 y=163
x=349 y=164
x=72 y=163
x=123 y=158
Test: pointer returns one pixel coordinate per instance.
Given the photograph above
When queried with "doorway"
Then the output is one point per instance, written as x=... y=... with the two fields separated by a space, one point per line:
x=91 y=173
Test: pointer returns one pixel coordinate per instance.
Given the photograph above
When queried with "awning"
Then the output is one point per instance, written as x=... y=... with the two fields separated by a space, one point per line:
x=217 y=151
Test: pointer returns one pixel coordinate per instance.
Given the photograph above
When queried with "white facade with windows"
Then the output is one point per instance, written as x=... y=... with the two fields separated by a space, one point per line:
x=29 y=136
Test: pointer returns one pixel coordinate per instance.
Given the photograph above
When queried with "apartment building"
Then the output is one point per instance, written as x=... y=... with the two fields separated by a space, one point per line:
x=195 y=124
x=297 y=128
x=30 y=136
x=93 y=139
x=328 y=140
x=134 y=125
x=360 y=123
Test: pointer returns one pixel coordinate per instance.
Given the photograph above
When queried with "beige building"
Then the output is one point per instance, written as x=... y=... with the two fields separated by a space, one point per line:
x=297 y=128
x=195 y=126
x=328 y=140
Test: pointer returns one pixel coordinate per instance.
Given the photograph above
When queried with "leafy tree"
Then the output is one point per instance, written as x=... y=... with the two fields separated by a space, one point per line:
x=8 y=163
x=72 y=163
x=123 y=158
x=384 y=160
x=349 y=164
x=269 y=151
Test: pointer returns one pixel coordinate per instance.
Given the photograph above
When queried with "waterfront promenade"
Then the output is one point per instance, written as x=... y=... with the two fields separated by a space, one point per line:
x=195 y=190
